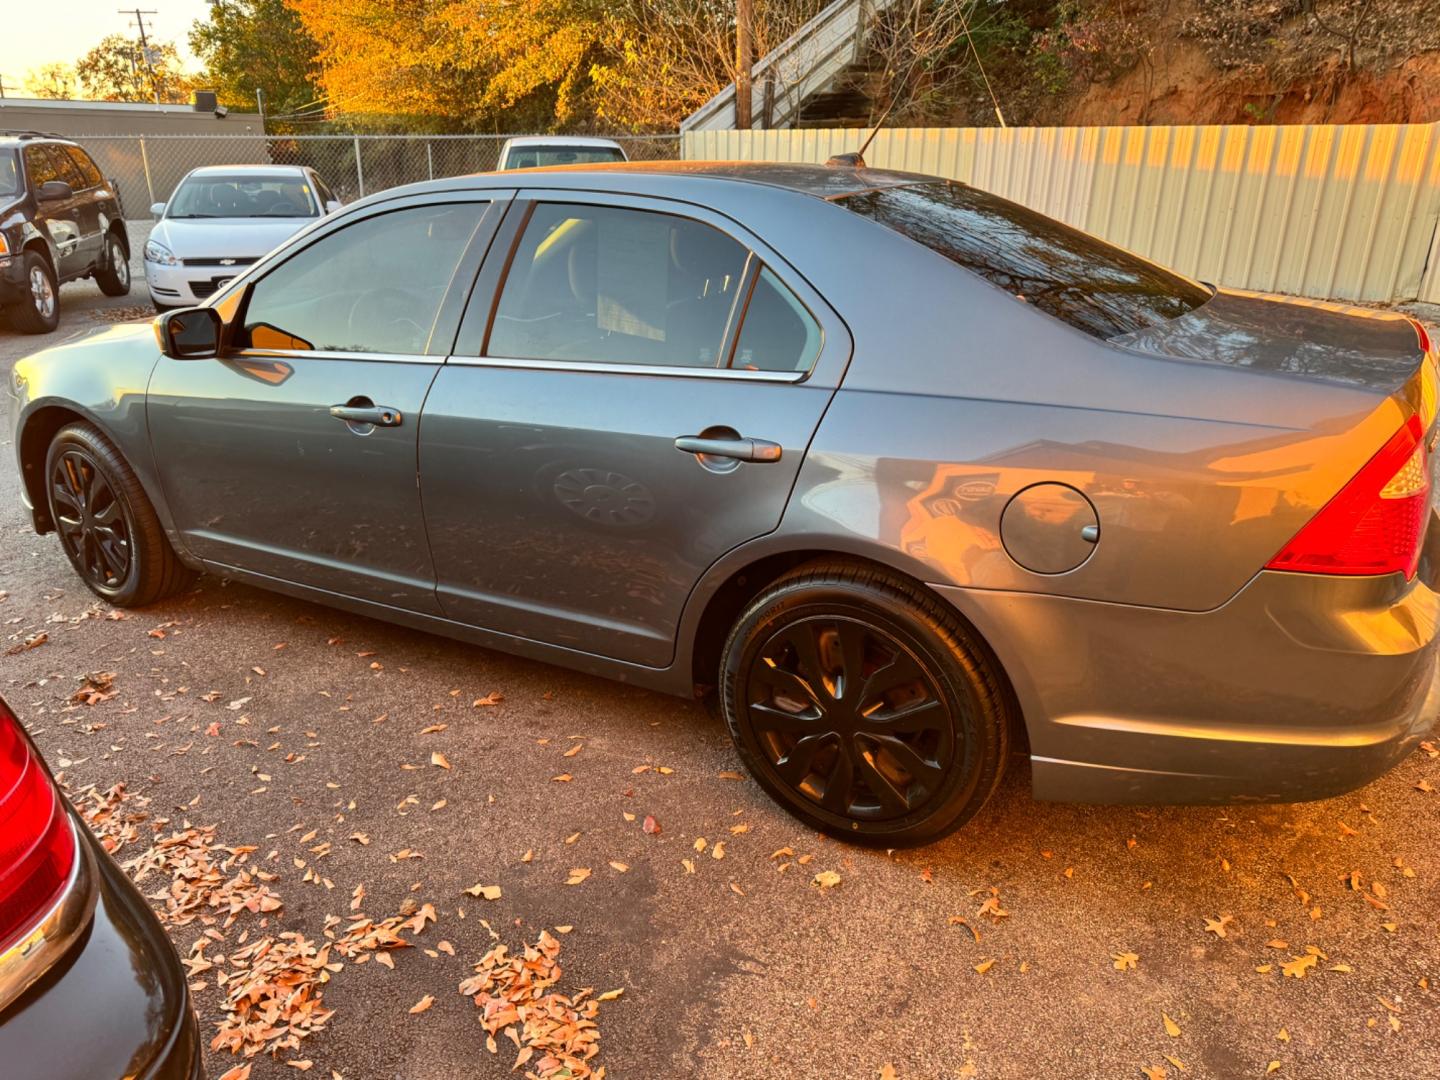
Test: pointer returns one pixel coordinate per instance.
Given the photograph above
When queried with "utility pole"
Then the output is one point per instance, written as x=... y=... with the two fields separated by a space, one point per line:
x=260 y=104
x=744 y=49
x=139 y=23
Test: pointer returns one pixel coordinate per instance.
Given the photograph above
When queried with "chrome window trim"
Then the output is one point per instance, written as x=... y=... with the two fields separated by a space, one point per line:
x=597 y=367
x=32 y=955
x=333 y=354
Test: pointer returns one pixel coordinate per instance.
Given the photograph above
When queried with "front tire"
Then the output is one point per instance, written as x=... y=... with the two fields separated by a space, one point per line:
x=38 y=311
x=107 y=527
x=113 y=273
x=864 y=706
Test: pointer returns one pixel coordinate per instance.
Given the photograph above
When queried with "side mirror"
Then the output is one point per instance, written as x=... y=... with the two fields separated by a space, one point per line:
x=332 y=205
x=157 y=209
x=190 y=333
x=54 y=190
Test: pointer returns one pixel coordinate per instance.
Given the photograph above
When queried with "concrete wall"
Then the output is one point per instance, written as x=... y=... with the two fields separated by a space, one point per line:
x=1344 y=212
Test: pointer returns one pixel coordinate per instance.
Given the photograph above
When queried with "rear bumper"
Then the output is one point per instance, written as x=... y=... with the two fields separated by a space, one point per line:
x=115 y=1005
x=1301 y=687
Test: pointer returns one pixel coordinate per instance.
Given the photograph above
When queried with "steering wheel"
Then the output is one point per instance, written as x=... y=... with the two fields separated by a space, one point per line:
x=384 y=307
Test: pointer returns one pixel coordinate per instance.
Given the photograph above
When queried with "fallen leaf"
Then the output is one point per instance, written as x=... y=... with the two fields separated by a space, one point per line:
x=826 y=879
x=618 y=867
x=437 y=758
x=423 y=1004
x=1218 y=926
x=1125 y=961
x=1171 y=1028
x=610 y=995
x=1296 y=969
x=984 y=966
x=239 y=1072
x=577 y=875
x=563 y=778
x=650 y=826
x=730 y=774
x=488 y=700
x=489 y=892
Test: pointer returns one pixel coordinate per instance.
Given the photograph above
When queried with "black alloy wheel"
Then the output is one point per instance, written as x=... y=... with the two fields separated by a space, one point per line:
x=849 y=718
x=94 y=524
x=864 y=705
x=108 y=528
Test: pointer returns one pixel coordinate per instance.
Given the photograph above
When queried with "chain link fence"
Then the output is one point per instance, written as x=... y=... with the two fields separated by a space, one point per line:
x=147 y=168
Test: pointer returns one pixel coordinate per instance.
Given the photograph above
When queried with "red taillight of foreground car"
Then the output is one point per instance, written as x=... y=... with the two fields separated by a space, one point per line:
x=1377 y=521
x=37 y=845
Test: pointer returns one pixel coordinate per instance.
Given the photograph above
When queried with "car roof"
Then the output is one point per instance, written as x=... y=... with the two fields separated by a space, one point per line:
x=28 y=138
x=821 y=181
x=259 y=169
x=561 y=140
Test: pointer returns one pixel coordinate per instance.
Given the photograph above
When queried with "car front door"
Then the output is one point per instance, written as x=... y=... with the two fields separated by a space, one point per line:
x=61 y=219
x=293 y=456
x=636 y=402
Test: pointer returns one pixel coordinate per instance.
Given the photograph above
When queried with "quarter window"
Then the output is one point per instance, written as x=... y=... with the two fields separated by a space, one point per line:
x=779 y=333
x=40 y=166
x=608 y=285
x=371 y=287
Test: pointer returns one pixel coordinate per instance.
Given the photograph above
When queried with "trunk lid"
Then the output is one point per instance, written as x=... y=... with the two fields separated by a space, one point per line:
x=1310 y=340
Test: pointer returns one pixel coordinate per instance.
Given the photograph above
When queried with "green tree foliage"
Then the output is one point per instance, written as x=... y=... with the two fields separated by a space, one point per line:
x=114 y=70
x=250 y=44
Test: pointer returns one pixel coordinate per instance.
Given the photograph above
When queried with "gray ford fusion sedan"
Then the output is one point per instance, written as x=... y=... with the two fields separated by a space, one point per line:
x=900 y=471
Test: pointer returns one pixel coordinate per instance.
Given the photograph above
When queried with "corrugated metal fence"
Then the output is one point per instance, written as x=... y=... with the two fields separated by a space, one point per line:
x=1341 y=212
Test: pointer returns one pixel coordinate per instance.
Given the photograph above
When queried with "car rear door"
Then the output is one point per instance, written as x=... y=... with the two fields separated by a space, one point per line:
x=631 y=395
x=293 y=456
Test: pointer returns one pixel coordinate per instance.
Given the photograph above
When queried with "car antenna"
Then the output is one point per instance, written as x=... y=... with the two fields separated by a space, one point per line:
x=856 y=160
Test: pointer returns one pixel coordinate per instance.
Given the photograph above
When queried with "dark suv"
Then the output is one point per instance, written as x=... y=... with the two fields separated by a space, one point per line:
x=60 y=220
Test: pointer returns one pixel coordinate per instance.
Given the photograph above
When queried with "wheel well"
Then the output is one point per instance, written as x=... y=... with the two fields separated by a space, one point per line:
x=38 y=246
x=117 y=230
x=735 y=594
x=35 y=440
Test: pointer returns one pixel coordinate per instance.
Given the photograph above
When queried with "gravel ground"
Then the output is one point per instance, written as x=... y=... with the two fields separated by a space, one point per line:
x=737 y=969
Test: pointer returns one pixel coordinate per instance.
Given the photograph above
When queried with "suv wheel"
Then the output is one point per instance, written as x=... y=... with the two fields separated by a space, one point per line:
x=38 y=311
x=108 y=528
x=864 y=706
x=113 y=273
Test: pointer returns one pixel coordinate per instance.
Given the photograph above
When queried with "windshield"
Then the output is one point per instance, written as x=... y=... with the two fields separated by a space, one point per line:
x=1078 y=278
x=531 y=157
x=218 y=195
x=9 y=173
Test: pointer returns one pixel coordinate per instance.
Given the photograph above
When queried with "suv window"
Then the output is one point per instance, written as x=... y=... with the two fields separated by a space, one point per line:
x=614 y=286
x=9 y=173
x=779 y=333
x=371 y=287
x=85 y=167
x=1078 y=278
x=41 y=167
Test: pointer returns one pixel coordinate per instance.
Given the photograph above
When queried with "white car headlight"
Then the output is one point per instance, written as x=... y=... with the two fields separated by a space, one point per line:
x=159 y=253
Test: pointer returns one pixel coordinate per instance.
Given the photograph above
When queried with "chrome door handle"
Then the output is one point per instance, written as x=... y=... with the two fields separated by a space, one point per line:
x=379 y=415
x=756 y=450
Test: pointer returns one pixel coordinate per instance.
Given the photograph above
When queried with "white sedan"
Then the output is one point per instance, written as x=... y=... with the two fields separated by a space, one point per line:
x=539 y=151
x=221 y=219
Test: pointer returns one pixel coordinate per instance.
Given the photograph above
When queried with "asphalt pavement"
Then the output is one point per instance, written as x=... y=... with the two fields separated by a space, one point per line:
x=1042 y=941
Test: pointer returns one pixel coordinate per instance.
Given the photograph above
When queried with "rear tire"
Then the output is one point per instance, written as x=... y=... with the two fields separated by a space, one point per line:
x=38 y=311
x=864 y=706
x=107 y=526
x=113 y=273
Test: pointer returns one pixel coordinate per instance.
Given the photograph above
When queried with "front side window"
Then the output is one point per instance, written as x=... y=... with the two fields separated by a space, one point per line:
x=1078 y=278
x=607 y=285
x=371 y=287
x=40 y=166
x=221 y=195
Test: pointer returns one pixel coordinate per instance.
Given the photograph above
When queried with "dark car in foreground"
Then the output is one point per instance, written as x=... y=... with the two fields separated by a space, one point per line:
x=60 y=220
x=897 y=469
x=90 y=986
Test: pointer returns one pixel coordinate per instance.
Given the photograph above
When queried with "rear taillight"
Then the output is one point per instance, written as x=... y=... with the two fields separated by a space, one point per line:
x=1422 y=334
x=37 y=845
x=1376 y=522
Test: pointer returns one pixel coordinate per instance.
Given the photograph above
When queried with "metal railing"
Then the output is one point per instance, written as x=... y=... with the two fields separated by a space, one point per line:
x=802 y=65
x=146 y=168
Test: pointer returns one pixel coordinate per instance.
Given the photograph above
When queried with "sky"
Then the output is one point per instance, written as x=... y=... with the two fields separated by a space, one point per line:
x=39 y=32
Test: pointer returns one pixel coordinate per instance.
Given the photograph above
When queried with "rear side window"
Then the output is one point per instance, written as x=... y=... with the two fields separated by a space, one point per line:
x=1078 y=278
x=601 y=284
x=84 y=166
x=40 y=166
